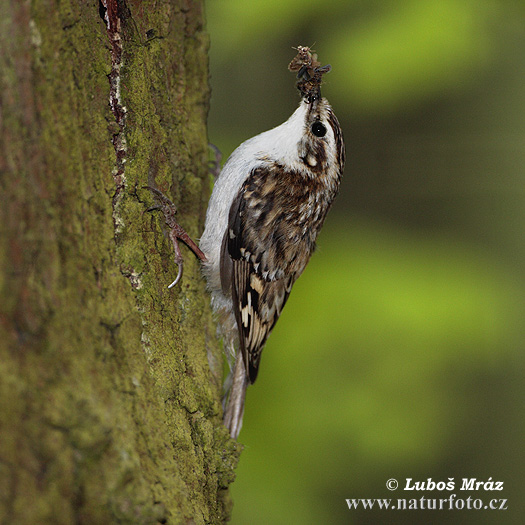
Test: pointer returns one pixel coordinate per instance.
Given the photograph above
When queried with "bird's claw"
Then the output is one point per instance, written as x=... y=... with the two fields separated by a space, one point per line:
x=215 y=164
x=176 y=231
x=178 y=278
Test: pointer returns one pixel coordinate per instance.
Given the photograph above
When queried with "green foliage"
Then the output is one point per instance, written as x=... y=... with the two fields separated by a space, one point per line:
x=386 y=54
x=366 y=371
x=413 y=49
x=399 y=351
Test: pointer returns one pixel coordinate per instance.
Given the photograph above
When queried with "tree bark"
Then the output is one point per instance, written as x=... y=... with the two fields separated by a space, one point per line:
x=110 y=384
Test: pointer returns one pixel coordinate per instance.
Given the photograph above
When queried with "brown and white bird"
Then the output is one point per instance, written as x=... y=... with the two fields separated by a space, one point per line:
x=267 y=207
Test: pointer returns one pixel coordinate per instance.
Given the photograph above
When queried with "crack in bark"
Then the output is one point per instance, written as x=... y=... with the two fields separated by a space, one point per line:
x=111 y=15
x=114 y=12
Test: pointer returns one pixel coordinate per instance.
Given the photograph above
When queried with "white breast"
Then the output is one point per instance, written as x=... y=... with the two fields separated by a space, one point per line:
x=279 y=145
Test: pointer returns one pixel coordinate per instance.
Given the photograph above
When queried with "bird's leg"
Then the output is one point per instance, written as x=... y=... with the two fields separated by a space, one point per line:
x=176 y=231
x=214 y=165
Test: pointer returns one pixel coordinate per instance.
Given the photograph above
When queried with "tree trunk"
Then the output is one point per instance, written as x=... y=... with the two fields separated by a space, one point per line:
x=110 y=383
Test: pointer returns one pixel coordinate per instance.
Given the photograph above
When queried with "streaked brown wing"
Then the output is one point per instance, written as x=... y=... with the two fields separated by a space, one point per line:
x=257 y=304
x=258 y=292
x=272 y=227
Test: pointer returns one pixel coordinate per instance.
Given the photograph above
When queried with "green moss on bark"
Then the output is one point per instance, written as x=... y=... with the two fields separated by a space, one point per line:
x=110 y=412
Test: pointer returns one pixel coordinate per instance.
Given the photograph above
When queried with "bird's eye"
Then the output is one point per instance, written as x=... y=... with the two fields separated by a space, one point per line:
x=318 y=129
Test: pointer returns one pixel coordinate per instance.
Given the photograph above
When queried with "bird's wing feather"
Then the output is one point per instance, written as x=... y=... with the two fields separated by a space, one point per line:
x=258 y=292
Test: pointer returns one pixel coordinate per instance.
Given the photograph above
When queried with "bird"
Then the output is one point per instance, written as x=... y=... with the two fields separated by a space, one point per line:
x=266 y=209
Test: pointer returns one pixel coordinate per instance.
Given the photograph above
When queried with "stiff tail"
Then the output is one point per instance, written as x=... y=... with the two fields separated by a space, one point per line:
x=235 y=406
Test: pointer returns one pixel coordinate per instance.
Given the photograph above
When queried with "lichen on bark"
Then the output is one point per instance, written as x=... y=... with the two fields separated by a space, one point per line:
x=110 y=410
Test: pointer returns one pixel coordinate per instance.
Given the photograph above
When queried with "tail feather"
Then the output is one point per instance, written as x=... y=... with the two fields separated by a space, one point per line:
x=235 y=405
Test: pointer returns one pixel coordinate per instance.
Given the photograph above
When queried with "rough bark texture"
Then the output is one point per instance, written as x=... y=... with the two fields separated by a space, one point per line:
x=110 y=383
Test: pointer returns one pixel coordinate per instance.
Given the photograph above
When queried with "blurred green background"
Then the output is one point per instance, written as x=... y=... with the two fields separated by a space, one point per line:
x=400 y=352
